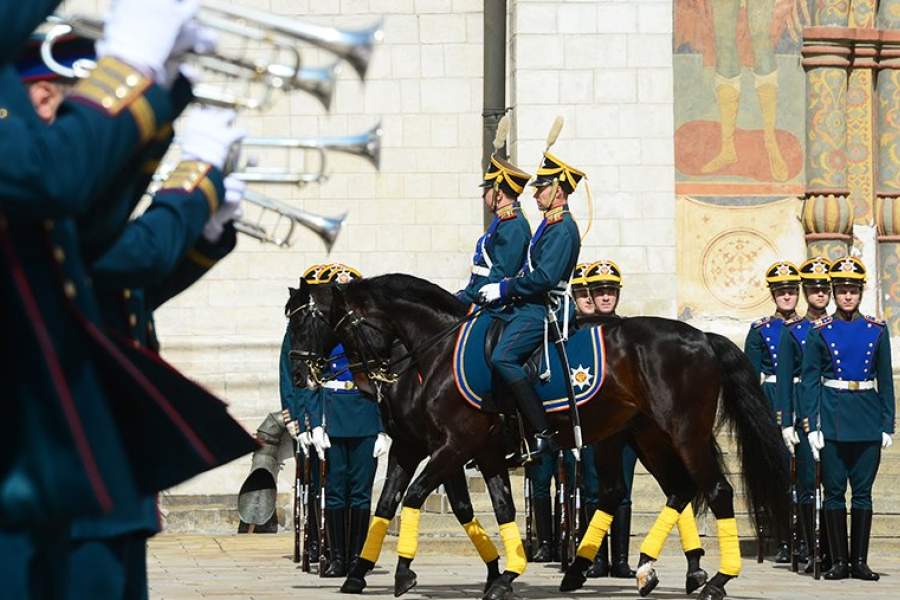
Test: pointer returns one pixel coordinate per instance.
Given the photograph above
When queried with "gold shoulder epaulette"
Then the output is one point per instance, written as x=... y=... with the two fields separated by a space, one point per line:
x=114 y=86
x=760 y=322
x=190 y=175
x=875 y=320
x=506 y=213
x=793 y=320
x=555 y=215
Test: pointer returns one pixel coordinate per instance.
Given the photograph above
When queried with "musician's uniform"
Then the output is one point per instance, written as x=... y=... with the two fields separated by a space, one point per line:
x=813 y=272
x=847 y=392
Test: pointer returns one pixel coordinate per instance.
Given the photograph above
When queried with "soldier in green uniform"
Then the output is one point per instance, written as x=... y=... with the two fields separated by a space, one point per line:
x=348 y=434
x=761 y=344
x=816 y=284
x=847 y=410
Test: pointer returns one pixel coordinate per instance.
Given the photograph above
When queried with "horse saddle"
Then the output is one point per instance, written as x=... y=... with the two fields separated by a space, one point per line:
x=474 y=378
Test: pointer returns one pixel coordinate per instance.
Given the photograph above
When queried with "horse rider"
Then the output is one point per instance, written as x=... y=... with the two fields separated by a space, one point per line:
x=347 y=432
x=761 y=344
x=816 y=286
x=544 y=277
x=847 y=411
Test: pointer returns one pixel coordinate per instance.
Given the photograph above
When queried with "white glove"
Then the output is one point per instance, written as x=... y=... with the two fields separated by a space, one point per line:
x=207 y=135
x=293 y=428
x=790 y=437
x=305 y=440
x=886 y=441
x=229 y=210
x=320 y=441
x=489 y=292
x=143 y=33
x=816 y=442
x=192 y=38
x=382 y=443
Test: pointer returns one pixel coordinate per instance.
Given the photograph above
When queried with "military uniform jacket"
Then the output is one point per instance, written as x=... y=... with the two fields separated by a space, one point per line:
x=551 y=257
x=761 y=347
x=298 y=401
x=790 y=359
x=346 y=411
x=499 y=254
x=853 y=351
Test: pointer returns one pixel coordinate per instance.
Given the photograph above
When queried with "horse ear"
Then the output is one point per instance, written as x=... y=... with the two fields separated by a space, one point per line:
x=292 y=292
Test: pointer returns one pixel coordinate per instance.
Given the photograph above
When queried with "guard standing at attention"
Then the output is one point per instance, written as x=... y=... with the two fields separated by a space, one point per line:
x=847 y=411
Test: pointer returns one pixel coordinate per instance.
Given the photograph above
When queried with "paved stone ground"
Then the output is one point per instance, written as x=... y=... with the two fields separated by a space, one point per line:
x=260 y=567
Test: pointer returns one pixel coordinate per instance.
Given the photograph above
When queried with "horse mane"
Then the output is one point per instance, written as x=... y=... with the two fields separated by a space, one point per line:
x=408 y=288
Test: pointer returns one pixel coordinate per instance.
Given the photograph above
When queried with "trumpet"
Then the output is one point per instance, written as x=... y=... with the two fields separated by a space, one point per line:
x=287 y=218
x=366 y=145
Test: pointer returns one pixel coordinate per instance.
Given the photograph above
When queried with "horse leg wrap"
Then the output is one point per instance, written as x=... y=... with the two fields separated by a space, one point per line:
x=408 y=541
x=515 y=550
x=593 y=536
x=729 y=547
x=687 y=530
x=486 y=549
x=378 y=527
x=653 y=544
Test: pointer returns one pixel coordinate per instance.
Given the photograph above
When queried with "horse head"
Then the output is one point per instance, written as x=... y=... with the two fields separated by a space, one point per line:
x=311 y=336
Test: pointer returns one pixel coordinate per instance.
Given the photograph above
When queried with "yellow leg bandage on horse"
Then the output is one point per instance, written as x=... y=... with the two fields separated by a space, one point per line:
x=486 y=549
x=408 y=542
x=729 y=547
x=687 y=530
x=594 y=535
x=515 y=550
x=653 y=544
x=378 y=527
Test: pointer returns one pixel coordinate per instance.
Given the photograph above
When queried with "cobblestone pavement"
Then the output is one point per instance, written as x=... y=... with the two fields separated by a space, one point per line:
x=260 y=567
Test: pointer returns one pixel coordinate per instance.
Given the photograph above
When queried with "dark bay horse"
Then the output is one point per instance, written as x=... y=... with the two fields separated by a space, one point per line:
x=662 y=375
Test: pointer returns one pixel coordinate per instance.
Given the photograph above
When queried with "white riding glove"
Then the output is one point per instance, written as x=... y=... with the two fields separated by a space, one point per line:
x=382 y=444
x=790 y=437
x=305 y=440
x=208 y=135
x=320 y=441
x=816 y=442
x=143 y=34
x=490 y=292
x=229 y=210
x=886 y=441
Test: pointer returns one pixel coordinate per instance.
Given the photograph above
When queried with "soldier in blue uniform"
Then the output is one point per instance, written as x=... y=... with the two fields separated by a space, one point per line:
x=847 y=410
x=544 y=278
x=761 y=345
x=816 y=284
x=347 y=433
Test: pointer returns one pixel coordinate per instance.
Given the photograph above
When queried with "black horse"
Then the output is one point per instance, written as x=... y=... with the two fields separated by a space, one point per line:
x=662 y=376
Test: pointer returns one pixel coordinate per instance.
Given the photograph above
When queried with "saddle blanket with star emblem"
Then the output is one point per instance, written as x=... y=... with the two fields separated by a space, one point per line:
x=475 y=382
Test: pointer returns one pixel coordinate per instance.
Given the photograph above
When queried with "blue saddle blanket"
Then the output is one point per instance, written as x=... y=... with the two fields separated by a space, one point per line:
x=584 y=348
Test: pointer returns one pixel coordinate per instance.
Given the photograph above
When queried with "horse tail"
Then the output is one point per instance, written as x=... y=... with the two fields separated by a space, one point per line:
x=747 y=414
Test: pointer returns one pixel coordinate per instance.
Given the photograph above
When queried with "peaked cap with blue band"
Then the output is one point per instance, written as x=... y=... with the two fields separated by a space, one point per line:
x=68 y=50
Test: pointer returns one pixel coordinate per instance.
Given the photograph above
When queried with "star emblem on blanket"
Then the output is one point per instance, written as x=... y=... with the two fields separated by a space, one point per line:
x=581 y=377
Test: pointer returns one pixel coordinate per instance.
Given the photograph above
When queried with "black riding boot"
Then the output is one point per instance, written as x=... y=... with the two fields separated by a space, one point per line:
x=621 y=536
x=860 y=529
x=359 y=527
x=824 y=543
x=543 y=521
x=836 y=521
x=337 y=563
x=808 y=529
x=532 y=410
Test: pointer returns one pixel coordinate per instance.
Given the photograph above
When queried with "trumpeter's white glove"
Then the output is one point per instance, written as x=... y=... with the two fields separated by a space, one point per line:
x=382 y=444
x=143 y=33
x=886 y=441
x=229 y=210
x=816 y=442
x=489 y=292
x=790 y=437
x=208 y=135
x=320 y=441
x=192 y=38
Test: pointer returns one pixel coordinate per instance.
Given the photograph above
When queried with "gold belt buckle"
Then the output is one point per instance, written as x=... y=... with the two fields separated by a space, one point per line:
x=853 y=385
x=348 y=385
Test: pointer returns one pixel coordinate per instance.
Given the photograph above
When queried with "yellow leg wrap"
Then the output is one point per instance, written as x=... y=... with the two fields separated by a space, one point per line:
x=378 y=527
x=729 y=547
x=515 y=550
x=687 y=530
x=408 y=542
x=594 y=535
x=653 y=544
x=486 y=549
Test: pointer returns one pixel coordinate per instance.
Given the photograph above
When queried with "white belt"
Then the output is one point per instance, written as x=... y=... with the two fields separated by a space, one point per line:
x=339 y=385
x=853 y=386
x=774 y=379
x=479 y=270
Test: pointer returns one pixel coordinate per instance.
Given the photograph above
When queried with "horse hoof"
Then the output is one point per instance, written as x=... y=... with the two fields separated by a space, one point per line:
x=498 y=590
x=647 y=580
x=489 y=582
x=712 y=592
x=353 y=585
x=695 y=580
x=575 y=575
x=403 y=582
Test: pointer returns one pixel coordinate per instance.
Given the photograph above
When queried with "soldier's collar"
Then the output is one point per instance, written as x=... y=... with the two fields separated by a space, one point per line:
x=839 y=316
x=556 y=214
x=508 y=211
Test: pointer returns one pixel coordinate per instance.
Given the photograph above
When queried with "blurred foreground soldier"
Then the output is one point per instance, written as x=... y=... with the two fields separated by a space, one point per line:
x=847 y=410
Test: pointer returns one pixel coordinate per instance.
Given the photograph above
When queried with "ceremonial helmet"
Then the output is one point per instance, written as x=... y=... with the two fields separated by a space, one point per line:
x=848 y=270
x=604 y=273
x=814 y=271
x=782 y=274
x=554 y=168
x=338 y=273
x=312 y=275
x=502 y=174
x=579 y=276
